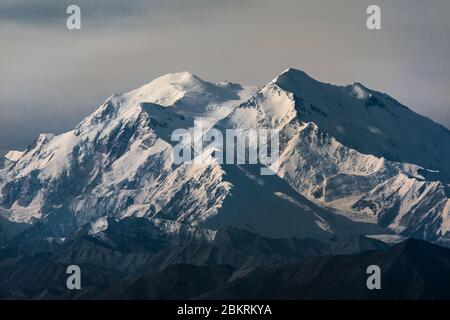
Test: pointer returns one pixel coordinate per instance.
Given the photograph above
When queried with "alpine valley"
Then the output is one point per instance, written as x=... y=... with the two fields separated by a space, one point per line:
x=361 y=180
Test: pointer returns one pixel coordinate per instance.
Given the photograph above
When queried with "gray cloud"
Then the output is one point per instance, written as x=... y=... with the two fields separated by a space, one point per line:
x=51 y=77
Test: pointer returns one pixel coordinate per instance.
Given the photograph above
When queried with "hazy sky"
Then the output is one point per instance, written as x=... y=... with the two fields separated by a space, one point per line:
x=50 y=77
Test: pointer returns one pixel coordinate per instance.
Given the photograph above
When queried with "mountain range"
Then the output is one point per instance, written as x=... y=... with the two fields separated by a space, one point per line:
x=357 y=171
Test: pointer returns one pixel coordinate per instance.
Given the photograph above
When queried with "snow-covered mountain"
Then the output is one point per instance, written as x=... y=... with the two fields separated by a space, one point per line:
x=370 y=122
x=353 y=162
x=330 y=152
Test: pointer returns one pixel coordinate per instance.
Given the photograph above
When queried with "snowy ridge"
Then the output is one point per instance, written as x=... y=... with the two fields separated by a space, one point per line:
x=161 y=228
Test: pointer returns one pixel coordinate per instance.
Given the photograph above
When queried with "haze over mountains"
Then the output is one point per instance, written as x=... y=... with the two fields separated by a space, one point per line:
x=353 y=163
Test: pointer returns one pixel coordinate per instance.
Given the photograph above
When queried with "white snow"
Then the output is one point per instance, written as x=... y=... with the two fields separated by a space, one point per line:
x=360 y=91
x=98 y=226
x=387 y=238
x=13 y=155
x=445 y=227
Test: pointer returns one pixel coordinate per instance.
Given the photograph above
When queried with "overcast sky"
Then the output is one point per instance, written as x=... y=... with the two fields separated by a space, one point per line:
x=51 y=78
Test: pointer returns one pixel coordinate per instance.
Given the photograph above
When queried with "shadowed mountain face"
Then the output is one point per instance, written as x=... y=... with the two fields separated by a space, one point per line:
x=140 y=258
x=180 y=281
x=122 y=252
x=411 y=270
x=135 y=244
x=108 y=195
x=39 y=278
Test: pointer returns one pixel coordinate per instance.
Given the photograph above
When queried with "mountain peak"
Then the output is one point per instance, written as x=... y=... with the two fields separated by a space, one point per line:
x=368 y=121
x=292 y=75
x=359 y=91
x=179 y=77
x=167 y=89
x=293 y=71
x=297 y=81
x=186 y=90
